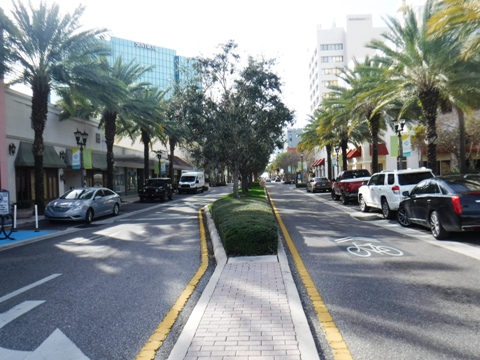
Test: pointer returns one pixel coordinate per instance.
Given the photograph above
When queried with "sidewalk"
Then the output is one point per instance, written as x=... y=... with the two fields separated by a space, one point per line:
x=249 y=310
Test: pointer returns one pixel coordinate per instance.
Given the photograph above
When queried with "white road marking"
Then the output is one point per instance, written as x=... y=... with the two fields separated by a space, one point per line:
x=17 y=311
x=28 y=287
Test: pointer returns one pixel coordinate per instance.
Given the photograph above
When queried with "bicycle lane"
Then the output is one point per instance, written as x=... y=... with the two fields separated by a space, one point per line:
x=408 y=300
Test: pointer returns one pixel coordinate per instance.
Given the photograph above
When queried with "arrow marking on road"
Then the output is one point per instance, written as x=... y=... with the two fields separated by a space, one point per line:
x=17 y=311
x=57 y=346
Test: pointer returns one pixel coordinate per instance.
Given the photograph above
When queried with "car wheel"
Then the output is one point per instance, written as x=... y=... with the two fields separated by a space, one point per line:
x=363 y=207
x=402 y=217
x=438 y=231
x=386 y=212
x=344 y=199
x=89 y=216
x=116 y=209
x=334 y=196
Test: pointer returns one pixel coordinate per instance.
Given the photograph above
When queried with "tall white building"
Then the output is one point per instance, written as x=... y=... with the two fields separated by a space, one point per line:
x=335 y=49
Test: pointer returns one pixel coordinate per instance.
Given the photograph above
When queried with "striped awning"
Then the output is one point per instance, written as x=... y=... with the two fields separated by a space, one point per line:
x=319 y=162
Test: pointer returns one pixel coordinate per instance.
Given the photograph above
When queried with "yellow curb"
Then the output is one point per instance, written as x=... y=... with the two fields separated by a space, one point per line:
x=339 y=348
x=156 y=340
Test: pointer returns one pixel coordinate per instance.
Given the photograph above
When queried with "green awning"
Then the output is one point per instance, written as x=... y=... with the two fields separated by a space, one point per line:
x=50 y=157
x=99 y=161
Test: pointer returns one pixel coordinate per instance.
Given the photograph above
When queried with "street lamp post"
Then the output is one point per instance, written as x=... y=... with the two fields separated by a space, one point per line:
x=159 y=157
x=399 y=125
x=301 y=169
x=81 y=139
x=337 y=148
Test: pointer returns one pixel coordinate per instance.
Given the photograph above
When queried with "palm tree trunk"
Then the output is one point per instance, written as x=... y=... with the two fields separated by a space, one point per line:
x=344 y=146
x=462 y=161
x=41 y=90
x=110 y=131
x=172 y=142
x=329 y=161
x=429 y=100
x=374 y=129
x=146 y=154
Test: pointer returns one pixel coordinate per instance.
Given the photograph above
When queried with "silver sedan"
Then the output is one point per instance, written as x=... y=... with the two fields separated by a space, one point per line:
x=83 y=204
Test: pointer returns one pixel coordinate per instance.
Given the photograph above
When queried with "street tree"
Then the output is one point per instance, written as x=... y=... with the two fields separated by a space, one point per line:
x=243 y=117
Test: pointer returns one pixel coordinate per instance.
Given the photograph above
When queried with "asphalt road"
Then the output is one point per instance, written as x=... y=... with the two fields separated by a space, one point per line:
x=100 y=292
x=408 y=297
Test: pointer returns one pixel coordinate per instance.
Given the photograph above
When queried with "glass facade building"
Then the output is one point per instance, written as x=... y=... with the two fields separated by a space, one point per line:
x=167 y=69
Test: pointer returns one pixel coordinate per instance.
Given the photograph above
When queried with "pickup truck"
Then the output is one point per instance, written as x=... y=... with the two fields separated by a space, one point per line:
x=346 y=185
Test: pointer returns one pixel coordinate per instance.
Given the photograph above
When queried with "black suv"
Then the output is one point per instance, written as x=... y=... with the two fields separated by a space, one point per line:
x=158 y=188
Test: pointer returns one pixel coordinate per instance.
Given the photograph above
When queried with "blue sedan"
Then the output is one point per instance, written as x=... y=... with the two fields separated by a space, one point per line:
x=83 y=204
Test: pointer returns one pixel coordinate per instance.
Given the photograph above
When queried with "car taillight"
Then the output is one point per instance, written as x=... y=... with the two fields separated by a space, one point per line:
x=457 y=206
x=396 y=189
x=316 y=184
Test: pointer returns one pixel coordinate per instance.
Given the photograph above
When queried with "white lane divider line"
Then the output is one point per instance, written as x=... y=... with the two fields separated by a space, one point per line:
x=28 y=287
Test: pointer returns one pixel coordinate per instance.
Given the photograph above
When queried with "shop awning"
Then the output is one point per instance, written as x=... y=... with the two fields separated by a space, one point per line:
x=319 y=162
x=352 y=153
x=382 y=149
x=99 y=161
x=50 y=157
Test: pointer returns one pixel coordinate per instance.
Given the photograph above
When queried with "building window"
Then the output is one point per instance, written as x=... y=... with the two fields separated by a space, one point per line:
x=329 y=59
x=330 y=83
x=327 y=47
x=331 y=71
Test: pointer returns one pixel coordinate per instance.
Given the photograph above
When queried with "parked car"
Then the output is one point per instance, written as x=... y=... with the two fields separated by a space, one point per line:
x=156 y=188
x=277 y=179
x=346 y=185
x=84 y=204
x=319 y=184
x=444 y=204
x=384 y=189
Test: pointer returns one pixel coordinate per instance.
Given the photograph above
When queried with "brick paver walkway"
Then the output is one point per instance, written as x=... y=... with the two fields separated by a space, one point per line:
x=248 y=316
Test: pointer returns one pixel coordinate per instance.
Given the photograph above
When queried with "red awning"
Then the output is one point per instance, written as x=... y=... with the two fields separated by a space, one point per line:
x=319 y=162
x=352 y=153
x=382 y=149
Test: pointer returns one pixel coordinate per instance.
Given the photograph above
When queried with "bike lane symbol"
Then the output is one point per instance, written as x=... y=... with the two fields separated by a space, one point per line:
x=56 y=346
x=367 y=247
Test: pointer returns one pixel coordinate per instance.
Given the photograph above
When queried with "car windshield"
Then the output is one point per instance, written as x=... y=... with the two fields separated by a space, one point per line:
x=356 y=174
x=413 y=178
x=156 y=183
x=78 y=194
x=187 y=179
x=320 y=179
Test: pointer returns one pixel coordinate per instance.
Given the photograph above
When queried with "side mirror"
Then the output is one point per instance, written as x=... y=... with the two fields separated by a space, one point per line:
x=98 y=197
x=364 y=182
x=197 y=181
x=405 y=193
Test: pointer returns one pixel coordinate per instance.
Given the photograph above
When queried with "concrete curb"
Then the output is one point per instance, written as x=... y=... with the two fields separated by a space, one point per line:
x=180 y=348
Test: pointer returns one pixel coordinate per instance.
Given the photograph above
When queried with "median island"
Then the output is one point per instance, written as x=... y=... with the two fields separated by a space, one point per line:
x=247 y=224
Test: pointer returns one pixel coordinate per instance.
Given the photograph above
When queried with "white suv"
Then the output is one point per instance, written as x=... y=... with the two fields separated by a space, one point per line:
x=384 y=189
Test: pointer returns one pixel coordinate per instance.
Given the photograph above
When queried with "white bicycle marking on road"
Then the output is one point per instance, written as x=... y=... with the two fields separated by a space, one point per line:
x=365 y=247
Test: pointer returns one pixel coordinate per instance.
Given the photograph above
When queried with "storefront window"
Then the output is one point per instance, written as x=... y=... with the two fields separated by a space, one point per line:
x=132 y=179
x=119 y=182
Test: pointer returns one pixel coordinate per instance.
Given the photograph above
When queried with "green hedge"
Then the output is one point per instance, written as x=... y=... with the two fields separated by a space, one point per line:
x=246 y=225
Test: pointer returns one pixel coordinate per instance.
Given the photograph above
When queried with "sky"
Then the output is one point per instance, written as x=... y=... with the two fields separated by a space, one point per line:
x=283 y=30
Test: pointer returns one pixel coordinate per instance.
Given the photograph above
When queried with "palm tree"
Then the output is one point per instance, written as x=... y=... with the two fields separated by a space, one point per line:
x=462 y=17
x=48 y=51
x=130 y=107
x=338 y=119
x=149 y=128
x=423 y=69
